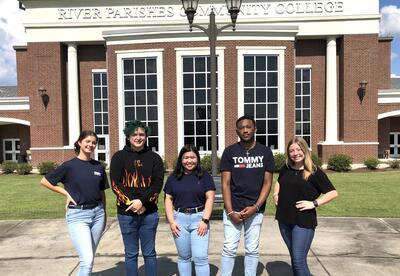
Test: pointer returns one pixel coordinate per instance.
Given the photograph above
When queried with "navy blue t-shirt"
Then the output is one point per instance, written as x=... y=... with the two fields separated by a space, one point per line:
x=247 y=173
x=83 y=180
x=189 y=191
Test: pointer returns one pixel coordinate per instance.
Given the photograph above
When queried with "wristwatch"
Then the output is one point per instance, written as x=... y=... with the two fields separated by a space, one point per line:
x=315 y=203
x=206 y=221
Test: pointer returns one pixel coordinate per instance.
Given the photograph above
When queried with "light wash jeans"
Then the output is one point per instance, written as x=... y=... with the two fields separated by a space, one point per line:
x=191 y=246
x=135 y=229
x=298 y=240
x=252 y=229
x=85 y=228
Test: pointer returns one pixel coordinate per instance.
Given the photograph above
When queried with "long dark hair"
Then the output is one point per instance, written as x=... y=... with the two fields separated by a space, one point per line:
x=179 y=170
x=83 y=135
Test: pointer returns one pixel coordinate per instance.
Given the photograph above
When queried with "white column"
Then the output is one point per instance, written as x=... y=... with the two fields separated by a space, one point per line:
x=73 y=94
x=331 y=123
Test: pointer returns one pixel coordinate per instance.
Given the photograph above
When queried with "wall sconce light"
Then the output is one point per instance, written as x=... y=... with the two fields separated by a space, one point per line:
x=361 y=90
x=45 y=97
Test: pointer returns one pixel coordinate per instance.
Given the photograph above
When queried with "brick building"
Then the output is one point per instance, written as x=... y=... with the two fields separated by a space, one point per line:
x=296 y=66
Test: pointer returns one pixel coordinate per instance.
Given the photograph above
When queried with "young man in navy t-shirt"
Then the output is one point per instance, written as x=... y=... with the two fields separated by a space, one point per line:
x=246 y=169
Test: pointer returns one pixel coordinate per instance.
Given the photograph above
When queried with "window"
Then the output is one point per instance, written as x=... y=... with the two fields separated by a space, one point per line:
x=394 y=144
x=100 y=113
x=11 y=149
x=140 y=93
x=303 y=104
x=197 y=102
x=261 y=95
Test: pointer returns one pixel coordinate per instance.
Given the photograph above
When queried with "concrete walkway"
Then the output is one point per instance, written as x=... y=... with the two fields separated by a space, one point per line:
x=342 y=246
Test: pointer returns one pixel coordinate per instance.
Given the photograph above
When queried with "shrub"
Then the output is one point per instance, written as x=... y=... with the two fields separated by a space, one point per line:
x=103 y=163
x=340 y=162
x=46 y=167
x=9 y=166
x=280 y=161
x=371 y=163
x=165 y=164
x=394 y=164
x=24 y=168
x=206 y=163
x=316 y=160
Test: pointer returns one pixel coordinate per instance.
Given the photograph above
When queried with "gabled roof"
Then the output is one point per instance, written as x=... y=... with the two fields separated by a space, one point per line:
x=8 y=91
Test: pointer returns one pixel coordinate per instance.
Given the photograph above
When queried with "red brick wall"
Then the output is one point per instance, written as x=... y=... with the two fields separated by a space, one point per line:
x=21 y=56
x=358 y=152
x=45 y=69
x=90 y=57
x=383 y=63
x=359 y=56
x=312 y=52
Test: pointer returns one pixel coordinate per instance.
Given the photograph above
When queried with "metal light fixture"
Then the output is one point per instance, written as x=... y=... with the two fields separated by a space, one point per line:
x=190 y=7
x=212 y=31
x=45 y=97
x=361 y=91
x=233 y=7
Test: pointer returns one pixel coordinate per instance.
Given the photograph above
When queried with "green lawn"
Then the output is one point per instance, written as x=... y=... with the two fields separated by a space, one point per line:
x=367 y=194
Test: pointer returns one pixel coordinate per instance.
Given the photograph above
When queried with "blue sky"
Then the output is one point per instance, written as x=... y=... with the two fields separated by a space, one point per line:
x=390 y=25
x=12 y=33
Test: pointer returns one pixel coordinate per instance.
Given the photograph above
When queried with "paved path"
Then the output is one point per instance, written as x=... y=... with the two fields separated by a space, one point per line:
x=342 y=246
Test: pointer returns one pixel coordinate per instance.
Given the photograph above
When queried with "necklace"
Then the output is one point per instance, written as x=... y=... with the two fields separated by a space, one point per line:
x=250 y=148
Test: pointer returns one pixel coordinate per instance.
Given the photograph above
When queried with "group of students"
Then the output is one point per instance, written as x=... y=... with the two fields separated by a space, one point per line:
x=137 y=174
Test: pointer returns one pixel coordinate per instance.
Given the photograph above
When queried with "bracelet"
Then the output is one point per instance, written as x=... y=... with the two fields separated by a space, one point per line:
x=230 y=213
x=256 y=205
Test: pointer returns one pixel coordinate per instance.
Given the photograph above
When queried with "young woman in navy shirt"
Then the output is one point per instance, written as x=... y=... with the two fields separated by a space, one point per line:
x=297 y=194
x=84 y=182
x=189 y=199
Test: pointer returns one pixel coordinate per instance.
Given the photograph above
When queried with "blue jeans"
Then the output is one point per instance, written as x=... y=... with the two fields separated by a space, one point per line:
x=191 y=246
x=85 y=228
x=141 y=228
x=298 y=240
x=252 y=229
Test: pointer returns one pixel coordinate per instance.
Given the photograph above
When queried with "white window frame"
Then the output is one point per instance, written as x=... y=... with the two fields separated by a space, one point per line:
x=304 y=66
x=106 y=136
x=396 y=145
x=13 y=151
x=150 y=53
x=192 y=52
x=268 y=50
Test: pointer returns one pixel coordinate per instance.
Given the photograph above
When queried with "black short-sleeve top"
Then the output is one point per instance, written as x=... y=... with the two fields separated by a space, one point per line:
x=293 y=188
x=83 y=180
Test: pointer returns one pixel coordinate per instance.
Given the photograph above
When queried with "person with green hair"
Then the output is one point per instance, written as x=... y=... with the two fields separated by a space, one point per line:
x=137 y=175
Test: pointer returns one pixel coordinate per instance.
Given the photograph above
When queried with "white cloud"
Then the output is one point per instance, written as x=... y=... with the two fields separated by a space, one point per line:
x=390 y=21
x=11 y=33
x=394 y=55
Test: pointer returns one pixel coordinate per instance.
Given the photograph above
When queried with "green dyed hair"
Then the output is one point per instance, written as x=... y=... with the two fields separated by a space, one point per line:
x=131 y=126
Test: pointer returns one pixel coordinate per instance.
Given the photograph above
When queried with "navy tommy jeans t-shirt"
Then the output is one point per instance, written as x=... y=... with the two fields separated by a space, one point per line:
x=247 y=173
x=189 y=191
x=83 y=180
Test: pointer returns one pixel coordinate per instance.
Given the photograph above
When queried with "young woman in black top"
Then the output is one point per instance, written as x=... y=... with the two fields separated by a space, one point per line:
x=189 y=198
x=84 y=182
x=296 y=196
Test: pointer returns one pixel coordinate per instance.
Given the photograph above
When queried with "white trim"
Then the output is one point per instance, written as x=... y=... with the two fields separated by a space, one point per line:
x=138 y=53
x=269 y=50
x=201 y=51
x=303 y=66
x=158 y=54
x=388 y=96
x=389 y=114
x=14 y=103
x=99 y=70
x=54 y=148
x=15 y=121
x=341 y=143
